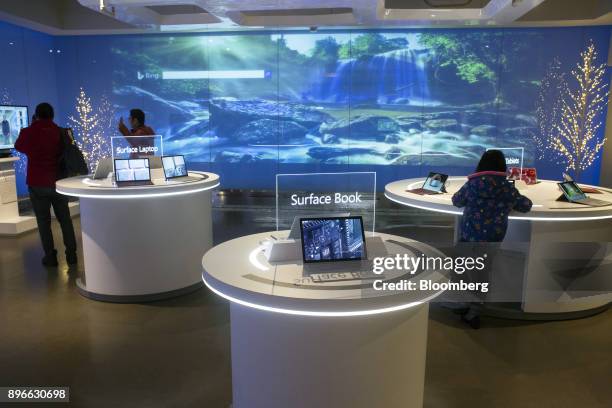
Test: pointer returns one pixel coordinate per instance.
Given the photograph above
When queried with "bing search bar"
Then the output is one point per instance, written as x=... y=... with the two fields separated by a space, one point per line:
x=238 y=74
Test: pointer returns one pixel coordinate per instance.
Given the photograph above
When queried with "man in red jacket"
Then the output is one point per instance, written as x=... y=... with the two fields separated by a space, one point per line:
x=137 y=122
x=40 y=142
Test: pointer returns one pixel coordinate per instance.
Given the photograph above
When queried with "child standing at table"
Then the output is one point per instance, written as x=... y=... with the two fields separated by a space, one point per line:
x=488 y=198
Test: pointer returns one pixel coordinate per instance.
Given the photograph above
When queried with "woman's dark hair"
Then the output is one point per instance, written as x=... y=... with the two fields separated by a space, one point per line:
x=492 y=160
x=44 y=111
x=138 y=115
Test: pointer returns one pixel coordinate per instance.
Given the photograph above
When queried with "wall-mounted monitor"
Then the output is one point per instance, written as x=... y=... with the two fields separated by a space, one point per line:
x=12 y=120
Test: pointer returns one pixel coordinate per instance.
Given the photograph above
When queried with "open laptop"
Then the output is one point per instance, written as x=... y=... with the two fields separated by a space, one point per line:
x=103 y=169
x=132 y=172
x=155 y=162
x=176 y=169
x=574 y=194
x=333 y=244
x=434 y=184
x=296 y=232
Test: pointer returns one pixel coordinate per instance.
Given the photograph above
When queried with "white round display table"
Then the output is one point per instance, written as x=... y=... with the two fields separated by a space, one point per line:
x=565 y=269
x=543 y=194
x=142 y=243
x=300 y=343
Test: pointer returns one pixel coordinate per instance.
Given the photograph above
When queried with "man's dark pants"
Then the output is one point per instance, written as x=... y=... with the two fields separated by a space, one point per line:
x=42 y=199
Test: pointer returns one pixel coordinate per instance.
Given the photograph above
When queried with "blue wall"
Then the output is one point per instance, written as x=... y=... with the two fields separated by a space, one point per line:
x=28 y=73
x=401 y=103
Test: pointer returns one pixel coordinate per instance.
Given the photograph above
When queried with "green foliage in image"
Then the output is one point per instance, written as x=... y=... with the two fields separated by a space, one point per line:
x=482 y=55
x=474 y=55
x=479 y=58
x=474 y=71
x=369 y=44
x=326 y=52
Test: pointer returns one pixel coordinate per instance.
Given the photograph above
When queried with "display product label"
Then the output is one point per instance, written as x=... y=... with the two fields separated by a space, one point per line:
x=515 y=158
x=336 y=198
x=342 y=276
x=134 y=147
x=322 y=195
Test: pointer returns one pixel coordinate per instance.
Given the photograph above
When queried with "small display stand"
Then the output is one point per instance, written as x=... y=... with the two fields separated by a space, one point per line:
x=11 y=223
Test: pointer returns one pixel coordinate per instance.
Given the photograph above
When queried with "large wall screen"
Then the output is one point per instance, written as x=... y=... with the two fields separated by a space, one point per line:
x=402 y=103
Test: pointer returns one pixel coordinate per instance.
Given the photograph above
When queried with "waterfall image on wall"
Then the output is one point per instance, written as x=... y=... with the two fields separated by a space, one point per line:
x=430 y=99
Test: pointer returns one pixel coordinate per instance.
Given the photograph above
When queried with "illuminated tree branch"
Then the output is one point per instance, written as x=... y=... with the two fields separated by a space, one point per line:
x=93 y=126
x=574 y=136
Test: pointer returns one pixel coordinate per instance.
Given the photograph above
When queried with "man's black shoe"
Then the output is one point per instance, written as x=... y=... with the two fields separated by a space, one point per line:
x=50 y=260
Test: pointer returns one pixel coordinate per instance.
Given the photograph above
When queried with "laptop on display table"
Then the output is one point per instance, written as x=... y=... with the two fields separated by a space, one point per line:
x=295 y=232
x=332 y=239
x=103 y=169
x=175 y=169
x=574 y=194
x=334 y=244
x=434 y=184
x=132 y=172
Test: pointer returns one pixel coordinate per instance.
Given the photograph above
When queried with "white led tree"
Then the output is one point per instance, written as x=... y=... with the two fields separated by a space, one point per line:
x=575 y=139
x=92 y=126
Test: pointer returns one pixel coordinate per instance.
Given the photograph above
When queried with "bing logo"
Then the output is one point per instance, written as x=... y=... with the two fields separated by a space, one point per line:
x=146 y=75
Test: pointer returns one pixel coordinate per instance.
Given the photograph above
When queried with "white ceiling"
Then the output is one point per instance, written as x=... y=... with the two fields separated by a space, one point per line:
x=68 y=17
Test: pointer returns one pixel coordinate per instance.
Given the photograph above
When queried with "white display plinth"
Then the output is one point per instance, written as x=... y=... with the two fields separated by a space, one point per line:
x=281 y=361
x=552 y=234
x=142 y=243
x=11 y=223
x=301 y=344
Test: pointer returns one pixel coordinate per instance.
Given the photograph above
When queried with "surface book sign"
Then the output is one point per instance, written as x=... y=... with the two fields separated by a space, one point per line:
x=325 y=194
x=324 y=199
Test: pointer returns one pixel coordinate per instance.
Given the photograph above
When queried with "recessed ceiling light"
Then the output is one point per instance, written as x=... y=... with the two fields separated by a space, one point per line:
x=433 y=15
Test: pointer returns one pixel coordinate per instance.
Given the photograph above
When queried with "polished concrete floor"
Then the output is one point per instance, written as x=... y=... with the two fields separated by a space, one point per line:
x=176 y=353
